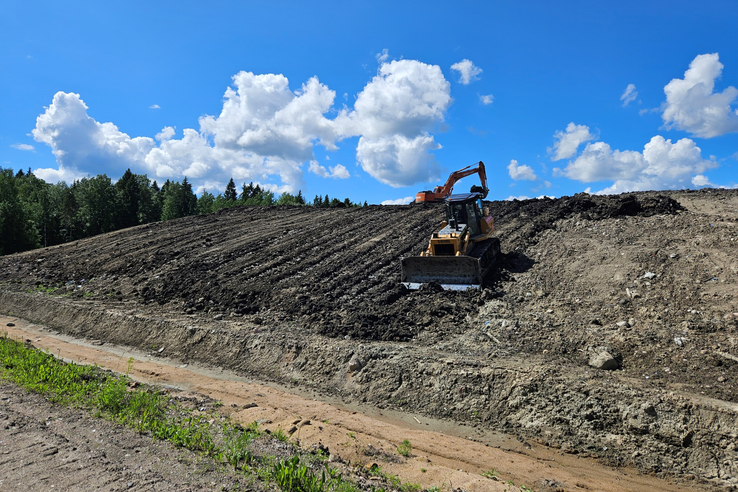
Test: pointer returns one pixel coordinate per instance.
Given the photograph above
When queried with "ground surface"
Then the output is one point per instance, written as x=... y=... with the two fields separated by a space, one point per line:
x=311 y=297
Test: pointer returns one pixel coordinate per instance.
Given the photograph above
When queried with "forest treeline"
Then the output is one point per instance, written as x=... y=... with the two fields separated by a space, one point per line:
x=34 y=213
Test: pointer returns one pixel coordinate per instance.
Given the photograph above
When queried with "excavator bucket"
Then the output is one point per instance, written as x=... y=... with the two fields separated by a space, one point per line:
x=451 y=272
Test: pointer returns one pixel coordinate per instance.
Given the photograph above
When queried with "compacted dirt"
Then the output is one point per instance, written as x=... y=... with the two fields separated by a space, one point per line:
x=608 y=329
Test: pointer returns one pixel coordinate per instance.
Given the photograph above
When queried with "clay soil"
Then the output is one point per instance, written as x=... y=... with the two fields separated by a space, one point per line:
x=310 y=298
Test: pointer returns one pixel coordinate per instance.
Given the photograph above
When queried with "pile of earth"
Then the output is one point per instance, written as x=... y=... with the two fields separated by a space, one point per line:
x=645 y=281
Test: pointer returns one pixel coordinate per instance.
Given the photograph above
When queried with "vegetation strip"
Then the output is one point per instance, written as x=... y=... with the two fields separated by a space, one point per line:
x=152 y=411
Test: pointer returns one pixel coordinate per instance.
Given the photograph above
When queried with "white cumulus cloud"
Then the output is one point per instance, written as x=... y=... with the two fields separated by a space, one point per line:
x=486 y=99
x=661 y=165
x=337 y=172
x=393 y=116
x=400 y=201
x=468 y=72
x=629 y=95
x=567 y=142
x=51 y=175
x=267 y=132
x=693 y=106
x=25 y=147
x=518 y=172
x=154 y=106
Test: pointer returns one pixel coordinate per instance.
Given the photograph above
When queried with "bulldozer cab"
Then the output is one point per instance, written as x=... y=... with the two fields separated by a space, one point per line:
x=465 y=209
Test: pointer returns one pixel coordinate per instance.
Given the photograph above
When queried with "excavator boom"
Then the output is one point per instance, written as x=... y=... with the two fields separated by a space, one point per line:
x=440 y=193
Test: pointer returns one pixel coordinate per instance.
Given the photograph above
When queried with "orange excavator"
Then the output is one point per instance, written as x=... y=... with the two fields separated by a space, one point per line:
x=463 y=251
x=440 y=193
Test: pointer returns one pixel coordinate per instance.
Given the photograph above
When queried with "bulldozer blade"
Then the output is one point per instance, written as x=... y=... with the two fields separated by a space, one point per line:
x=451 y=272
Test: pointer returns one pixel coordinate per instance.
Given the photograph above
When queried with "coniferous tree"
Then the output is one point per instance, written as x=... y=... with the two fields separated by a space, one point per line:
x=129 y=197
x=230 y=191
x=15 y=233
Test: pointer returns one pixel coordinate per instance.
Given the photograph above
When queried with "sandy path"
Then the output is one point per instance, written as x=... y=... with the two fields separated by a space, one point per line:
x=442 y=454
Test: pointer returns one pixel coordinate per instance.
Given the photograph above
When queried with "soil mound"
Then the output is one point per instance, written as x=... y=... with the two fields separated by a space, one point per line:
x=642 y=283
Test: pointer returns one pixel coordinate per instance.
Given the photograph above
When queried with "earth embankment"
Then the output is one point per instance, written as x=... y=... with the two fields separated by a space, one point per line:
x=645 y=282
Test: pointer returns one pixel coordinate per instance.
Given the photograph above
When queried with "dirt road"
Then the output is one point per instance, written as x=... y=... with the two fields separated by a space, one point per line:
x=353 y=434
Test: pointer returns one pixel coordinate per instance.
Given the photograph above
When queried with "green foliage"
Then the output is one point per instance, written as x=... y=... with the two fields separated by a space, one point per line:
x=230 y=191
x=151 y=411
x=34 y=213
x=235 y=445
x=17 y=230
x=293 y=476
x=405 y=448
x=280 y=435
x=491 y=474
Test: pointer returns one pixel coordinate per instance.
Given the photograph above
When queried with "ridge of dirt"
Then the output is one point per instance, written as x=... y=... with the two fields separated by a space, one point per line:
x=311 y=296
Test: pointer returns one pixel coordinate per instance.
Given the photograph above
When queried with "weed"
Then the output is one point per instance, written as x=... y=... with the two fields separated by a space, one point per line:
x=405 y=448
x=235 y=446
x=280 y=435
x=352 y=435
x=423 y=470
x=491 y=474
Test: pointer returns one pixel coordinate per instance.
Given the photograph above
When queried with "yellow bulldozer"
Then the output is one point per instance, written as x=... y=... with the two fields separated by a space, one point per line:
x=462 y=252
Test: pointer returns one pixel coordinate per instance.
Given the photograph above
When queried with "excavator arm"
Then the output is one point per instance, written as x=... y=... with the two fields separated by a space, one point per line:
x=440 y=193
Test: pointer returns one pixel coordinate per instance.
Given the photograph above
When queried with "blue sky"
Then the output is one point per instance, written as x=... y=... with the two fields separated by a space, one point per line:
x=374 y=100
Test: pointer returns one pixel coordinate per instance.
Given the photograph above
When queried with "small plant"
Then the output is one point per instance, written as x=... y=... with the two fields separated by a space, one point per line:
x=423 y=470
x=280 y=435
x=352 y=435
x=405 y=448
x=491 y=474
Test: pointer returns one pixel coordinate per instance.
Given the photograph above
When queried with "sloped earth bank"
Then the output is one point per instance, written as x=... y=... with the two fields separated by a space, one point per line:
x=311 y=297
x=355 y=437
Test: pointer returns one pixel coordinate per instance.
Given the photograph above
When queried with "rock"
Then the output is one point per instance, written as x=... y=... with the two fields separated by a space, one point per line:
x=10 y=324
x=649 y=275
x=604 y=360
x=250 y=405
x=355 y=364
x=218 y=317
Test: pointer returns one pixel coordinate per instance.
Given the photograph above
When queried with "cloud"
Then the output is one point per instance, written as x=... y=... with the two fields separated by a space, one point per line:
x=154 y=106
x=518 y=172
x=567 y=142
x=383 y=56
x=693 y=106
x=629 y=95
x=468 y=72
x=25 y=147
x=80 y=142
x=51 y=175
x=400 y=201
x=661 y=165
x=393 y=116
x=267 y=132
x=337 y=172
x=487 y=100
